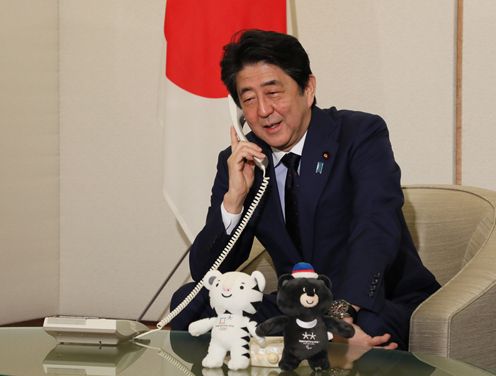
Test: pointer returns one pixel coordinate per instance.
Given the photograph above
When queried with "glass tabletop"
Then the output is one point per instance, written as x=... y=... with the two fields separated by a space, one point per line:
x=30 y=351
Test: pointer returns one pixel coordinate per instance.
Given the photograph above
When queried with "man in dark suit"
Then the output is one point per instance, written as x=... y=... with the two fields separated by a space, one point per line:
x=345 y=217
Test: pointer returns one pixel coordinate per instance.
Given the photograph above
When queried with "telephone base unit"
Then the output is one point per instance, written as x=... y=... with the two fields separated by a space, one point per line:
x=92 y=331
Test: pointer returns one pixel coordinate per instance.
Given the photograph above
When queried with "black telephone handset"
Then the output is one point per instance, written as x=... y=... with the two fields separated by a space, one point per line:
x=238 y=121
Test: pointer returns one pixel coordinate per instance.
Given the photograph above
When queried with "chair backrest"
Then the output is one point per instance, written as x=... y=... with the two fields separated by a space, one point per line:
x=260 y=260
x=448 y=224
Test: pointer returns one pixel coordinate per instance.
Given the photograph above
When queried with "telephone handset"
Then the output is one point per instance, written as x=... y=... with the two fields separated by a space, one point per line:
x=238 y=121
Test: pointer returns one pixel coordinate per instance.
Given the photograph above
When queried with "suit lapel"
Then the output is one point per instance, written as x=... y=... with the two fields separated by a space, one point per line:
x=317 y=161
x=315 y=169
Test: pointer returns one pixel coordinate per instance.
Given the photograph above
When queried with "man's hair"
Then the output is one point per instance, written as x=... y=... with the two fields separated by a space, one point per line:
x=254 y=46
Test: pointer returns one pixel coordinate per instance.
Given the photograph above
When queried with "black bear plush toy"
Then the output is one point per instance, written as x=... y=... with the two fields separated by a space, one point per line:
x=305 y=298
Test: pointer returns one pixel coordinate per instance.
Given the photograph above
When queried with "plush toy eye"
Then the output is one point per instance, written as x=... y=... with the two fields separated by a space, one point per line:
x=217 y=284
x=304 y=289
x=241 y=287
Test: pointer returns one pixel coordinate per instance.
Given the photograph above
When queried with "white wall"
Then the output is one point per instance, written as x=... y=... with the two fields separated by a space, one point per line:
x=118 y=237
x=29 y=157
x=479 y=94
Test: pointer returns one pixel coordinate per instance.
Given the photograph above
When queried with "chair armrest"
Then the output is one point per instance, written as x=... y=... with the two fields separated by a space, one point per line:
x=260 y=260
x=458 y=321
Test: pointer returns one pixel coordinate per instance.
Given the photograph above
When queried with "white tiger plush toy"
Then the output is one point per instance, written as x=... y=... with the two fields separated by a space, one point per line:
x=230 y=294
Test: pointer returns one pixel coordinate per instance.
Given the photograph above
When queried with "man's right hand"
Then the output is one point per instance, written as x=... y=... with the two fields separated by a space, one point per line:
x=362 y=339
x=241 y=167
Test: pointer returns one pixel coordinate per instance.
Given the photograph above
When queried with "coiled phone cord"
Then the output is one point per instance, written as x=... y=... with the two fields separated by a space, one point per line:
x=232 y=241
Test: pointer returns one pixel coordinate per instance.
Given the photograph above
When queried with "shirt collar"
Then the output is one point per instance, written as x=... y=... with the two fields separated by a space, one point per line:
x=296 y=149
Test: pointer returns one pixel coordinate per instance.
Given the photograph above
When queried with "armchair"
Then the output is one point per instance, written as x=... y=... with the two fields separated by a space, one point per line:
x=453 y=228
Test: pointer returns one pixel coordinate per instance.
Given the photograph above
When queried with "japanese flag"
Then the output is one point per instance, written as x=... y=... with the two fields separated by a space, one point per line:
x=192 y=105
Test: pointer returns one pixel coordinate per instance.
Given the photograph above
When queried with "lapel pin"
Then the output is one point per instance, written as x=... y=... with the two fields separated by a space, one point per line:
x=319 y=168
x=325 y=155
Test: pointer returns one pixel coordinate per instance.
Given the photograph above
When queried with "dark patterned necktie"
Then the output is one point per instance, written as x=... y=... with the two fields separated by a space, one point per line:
x=291 y=188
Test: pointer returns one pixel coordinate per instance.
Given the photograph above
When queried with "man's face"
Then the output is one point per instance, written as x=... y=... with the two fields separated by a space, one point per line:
x=274 y=106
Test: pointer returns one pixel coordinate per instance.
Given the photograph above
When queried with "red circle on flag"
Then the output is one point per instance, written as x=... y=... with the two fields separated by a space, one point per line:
x=197 y=30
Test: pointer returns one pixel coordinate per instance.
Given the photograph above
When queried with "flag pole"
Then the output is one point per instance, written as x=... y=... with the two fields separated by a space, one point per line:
x=292 y=21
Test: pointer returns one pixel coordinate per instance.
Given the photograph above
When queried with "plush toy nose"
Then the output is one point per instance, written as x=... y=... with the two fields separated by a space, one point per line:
x=310 y=292
x=226 y=289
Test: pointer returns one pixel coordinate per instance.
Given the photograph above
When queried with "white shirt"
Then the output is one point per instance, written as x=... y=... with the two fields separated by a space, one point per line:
x=231 y=220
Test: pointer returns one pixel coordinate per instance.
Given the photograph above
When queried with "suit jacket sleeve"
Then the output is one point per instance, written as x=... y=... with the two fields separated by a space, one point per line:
x=212 y=239
x=376 y=227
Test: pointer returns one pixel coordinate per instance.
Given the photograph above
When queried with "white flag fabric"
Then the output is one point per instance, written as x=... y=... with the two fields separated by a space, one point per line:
x=196 y=129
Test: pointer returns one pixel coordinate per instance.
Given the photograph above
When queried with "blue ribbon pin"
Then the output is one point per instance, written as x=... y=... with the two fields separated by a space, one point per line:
x=319 y=168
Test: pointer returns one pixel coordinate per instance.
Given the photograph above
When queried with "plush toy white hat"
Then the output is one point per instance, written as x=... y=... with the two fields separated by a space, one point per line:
x=303 y=270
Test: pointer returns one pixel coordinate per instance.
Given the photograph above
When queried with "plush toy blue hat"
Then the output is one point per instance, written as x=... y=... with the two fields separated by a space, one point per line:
x=303 y=270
